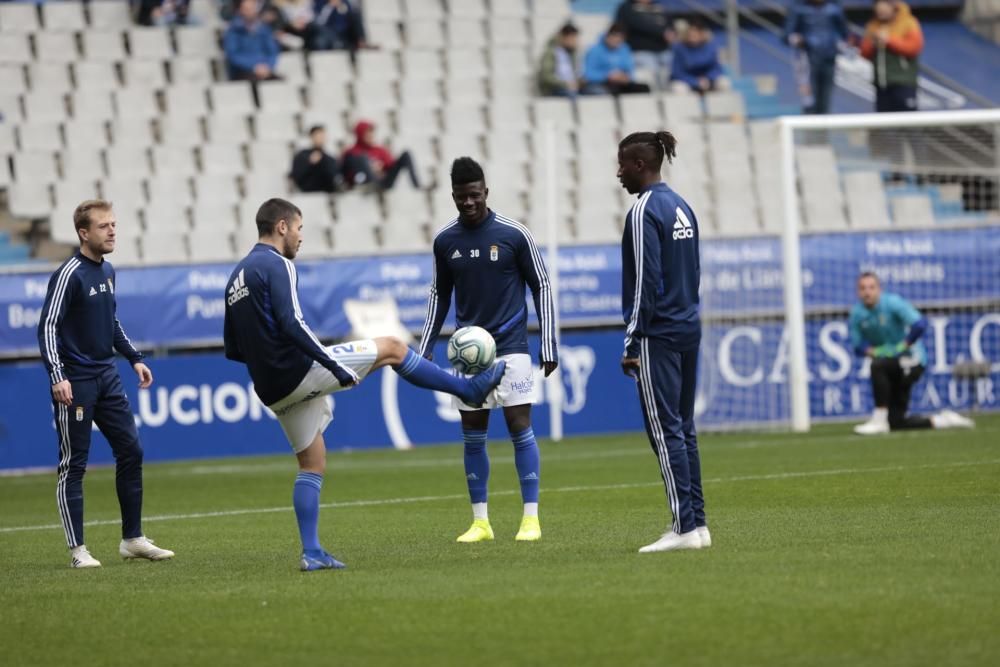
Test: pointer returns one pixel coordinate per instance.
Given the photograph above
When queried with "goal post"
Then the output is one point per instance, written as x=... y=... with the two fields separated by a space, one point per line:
x=921 y=188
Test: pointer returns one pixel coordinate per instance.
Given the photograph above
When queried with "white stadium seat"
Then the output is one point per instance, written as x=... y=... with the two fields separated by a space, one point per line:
x=63 y=16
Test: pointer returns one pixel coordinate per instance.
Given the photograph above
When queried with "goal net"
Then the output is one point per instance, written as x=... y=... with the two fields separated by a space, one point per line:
x=913 y=198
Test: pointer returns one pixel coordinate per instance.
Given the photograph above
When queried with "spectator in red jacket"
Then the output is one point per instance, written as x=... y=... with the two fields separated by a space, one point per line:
x=368 y=163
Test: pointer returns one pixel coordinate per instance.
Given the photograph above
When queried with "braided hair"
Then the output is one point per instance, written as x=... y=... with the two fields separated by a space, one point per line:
x=655 y=146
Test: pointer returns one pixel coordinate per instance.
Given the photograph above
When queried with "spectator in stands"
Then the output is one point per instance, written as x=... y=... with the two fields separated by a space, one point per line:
x=287 y=21
x=608 y=66
x=250 y=46
x=649 y=33
x=162 y=12
x=696 y=65
x=816 y=27
x=893 y=40
x=367 y=163
x=338 y=26
x=313 y=169
x=557 y=72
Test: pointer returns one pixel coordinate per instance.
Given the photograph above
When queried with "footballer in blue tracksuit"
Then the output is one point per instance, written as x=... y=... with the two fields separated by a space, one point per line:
x=660 y=276
x=293 y=372
x=888 y=329
x=78 y=334
x=489 y=261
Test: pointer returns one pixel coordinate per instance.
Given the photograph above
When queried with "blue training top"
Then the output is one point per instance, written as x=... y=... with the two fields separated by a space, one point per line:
x=265 y=330
x=79 y=331
x=488 y=267
x=892 y=321
x=661 y=271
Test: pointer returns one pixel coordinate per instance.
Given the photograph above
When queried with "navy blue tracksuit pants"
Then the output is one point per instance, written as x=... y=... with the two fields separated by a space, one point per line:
x=667 y=388
x=100 y=400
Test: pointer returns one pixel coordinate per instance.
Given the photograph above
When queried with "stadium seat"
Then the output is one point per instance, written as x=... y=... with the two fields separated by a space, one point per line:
x=188 y=100
x=14 y=48
x=92 y=105
x=174 y=159
x=19 y=18
x=37 y=166
x=384 y=34
x=598 y=116
x=351 y=239
x=29 y=199
x=377 y=66
x=384 y=10
x=206 y=11
x=330 y=67
x=162 y=244
x=465 y=63
x=421 y=65
x=63 y=16
x=94 y=76
x=211 y=245
x=235 y=97
x=911 y=211
x=506 y=115
x=375 y=95
x=180 y=131
x=467 y=91
x=423 y=8
x=464 y=119
x=261 y=184
x=425 y=33
x=216 y=186
x=521 y=88
x=149 y=44
x=329 y=97
x=315 y=207
x=127 y=192
x=78 y=161
x=126 y=159
x=137 y=131
x=8 y=140
x=510 y=31
x=170 y=189
x=640 y=112
x=507 y=62
x=279 y=96
x=126 y=252
x=222 y=129
x=197 y=41
x=85 y=133
x=44 y=105
x=222 y=159
x=12 y=80
x=190 y=72
x=291 y=68
x=465 y=32
x=68 y=194
x=316 y=245
x=867 y=207
x=453 y=145
x=103 y=46
x=214 y=214
x=276 y=126
x=416 y=122
x=56 y=47
x=41 y=136
x=820 y=184
x=49 y=76
x=556 y=110
x=136 y=102
x=420 y=94
x=109 y=15
x=727 y=105
x=508 y=144
x=144 y=74
x=681 y=108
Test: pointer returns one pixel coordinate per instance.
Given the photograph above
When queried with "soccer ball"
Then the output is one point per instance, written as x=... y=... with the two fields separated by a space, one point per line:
x=471 y=350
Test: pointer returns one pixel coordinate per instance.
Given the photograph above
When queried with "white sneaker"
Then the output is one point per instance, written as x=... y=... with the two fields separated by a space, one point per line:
x=951 y=419
x=706 y=537
x=872 y=427
x=673 y=542
x=81 y=558
x=143 y=547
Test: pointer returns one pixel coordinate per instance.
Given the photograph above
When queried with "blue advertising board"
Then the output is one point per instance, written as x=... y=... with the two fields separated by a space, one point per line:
x=204 y=406
x=180 y=306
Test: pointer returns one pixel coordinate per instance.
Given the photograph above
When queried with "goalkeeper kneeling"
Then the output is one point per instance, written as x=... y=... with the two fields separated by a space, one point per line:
x=887 y=328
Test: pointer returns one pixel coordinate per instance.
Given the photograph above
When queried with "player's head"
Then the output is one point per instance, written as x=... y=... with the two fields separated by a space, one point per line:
x=640 y=156
x=869 y=289
x=95 y=224
x=468 y=189
x=279 y=223
x=317 y=135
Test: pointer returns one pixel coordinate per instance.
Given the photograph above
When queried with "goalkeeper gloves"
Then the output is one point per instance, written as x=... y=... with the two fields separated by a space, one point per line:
x=890 y=351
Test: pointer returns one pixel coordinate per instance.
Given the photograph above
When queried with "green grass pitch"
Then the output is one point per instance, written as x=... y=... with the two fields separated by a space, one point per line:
x=830 y=549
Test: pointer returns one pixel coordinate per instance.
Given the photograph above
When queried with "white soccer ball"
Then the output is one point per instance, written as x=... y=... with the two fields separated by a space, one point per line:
x=471 y=350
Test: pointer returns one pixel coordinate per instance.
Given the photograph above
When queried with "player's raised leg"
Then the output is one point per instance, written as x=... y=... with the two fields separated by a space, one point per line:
x=477 y=474
x=528 y=464
x=423 y=373
x=305 y=499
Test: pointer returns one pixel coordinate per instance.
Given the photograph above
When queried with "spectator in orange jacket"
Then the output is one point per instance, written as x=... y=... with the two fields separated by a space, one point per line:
x=893 y=41
x=367 y=162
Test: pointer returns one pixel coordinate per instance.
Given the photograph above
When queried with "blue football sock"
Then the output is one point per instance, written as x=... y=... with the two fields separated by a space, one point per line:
x=422 y=373
x=527 y=462
x=477 y=464
x=305 y=498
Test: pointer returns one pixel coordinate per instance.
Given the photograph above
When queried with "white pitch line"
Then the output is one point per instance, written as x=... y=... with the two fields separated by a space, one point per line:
x=510 y=492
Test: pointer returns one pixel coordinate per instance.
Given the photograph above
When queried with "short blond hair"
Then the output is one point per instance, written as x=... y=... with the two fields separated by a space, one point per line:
x=81 y=216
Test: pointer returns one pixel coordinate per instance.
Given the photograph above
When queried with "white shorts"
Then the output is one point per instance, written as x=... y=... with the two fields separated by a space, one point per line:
x=517 y=387
x=305 y=413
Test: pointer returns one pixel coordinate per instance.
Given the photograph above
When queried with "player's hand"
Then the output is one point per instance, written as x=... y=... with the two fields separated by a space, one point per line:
x=145 y=375
x=795 y=39
x=549 y=367
x=62 y=392
x=630 y=367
